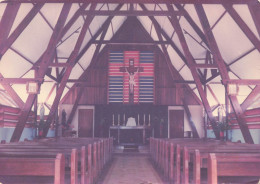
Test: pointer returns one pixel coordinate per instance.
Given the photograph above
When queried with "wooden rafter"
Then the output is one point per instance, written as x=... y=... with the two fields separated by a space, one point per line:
x=75 y=105
x=243 y=26
x=46 y=60
x=157 y=25
x=176 y=25
x=71 y=62
x=86 y=47
x=139 y=1
x=19 y=29
x=255 y=12
x=16 y=98
x=223 y=71
x=192 y=125
x=8 y=20
x=250 y=99
x=129 y=13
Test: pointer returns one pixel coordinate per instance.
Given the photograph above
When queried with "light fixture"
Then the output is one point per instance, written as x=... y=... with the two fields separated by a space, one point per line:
x=32 y=88
x=232 y=89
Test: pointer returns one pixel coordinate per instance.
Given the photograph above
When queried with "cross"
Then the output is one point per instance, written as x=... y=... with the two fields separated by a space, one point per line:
x=132 y=70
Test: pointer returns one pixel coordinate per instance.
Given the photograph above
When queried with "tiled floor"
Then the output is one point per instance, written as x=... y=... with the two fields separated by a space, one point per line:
x=131 y=169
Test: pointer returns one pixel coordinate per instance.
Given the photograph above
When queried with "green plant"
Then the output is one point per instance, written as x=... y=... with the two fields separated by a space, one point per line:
x=223 y=126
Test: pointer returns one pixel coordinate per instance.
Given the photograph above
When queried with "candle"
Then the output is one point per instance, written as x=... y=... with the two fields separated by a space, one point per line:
x=144 y=119
x=124 y=118
x=149 y=117
x=138 y=120
x=113 y=119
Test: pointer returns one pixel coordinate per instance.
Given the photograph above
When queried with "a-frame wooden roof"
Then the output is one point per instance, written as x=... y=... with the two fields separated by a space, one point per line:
x=210 y=43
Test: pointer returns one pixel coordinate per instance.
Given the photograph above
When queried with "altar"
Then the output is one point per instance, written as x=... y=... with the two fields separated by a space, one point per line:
x=130 y=135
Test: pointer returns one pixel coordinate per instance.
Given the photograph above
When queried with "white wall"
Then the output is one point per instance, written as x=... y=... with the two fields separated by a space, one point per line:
x=74 y=123
x=197 y=117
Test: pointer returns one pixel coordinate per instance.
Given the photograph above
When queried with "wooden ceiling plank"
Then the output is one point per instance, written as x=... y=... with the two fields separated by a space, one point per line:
x=43 y=67
x=223 y=71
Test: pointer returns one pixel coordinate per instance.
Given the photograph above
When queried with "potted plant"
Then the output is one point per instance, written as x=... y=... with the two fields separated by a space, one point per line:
x=222 y=127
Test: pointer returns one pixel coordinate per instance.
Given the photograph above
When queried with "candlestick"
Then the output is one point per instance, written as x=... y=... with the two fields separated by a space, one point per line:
x=113 y=120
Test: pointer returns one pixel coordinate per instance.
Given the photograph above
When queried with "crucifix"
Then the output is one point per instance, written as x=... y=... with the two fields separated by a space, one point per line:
x=132 y=71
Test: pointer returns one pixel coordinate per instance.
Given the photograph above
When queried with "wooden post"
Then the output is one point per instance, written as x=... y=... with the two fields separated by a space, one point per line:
x=178 y=164
x=94 y=162
x=212 y=169
x=74 y=166
x=166 y=159
x=171 y=162
x=185 y=166
x=59 y=177
x=83 y=164
x=196 y=167
x=90 y=168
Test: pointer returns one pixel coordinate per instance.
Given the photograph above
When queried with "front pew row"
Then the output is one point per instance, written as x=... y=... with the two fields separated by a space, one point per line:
x=60 y=158
x=209 y=161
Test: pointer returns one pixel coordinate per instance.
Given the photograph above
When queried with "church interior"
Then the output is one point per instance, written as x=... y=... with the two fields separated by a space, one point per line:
x=133 y=91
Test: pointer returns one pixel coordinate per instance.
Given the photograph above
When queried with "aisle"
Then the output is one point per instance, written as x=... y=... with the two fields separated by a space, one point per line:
x=131 y=169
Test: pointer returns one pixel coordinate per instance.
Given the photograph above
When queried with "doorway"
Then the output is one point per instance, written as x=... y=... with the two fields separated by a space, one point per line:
x=176 y=123
x=85 y=126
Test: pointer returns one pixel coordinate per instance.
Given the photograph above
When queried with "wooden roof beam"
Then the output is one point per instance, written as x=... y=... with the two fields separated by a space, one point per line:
x=255 y=12
x=129 y=13
x=243 y=26
x=71 y=62
x=46 y=60
x=16 y=98
x=86 y=47
x=250 y=99
x=7 y=21
x=223 y=71
x=137 y=1
x=19 y=29
x=171 y=67
x=19 y=80
x=242 y=81
x=191 y=62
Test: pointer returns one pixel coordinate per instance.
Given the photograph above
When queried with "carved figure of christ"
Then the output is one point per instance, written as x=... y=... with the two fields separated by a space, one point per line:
x=132 y=71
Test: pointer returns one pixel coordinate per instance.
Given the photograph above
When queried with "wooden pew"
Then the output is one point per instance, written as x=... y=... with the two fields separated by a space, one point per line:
x=232 y=165
x=34 y=167
x=95 y=156
x=172 y=152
